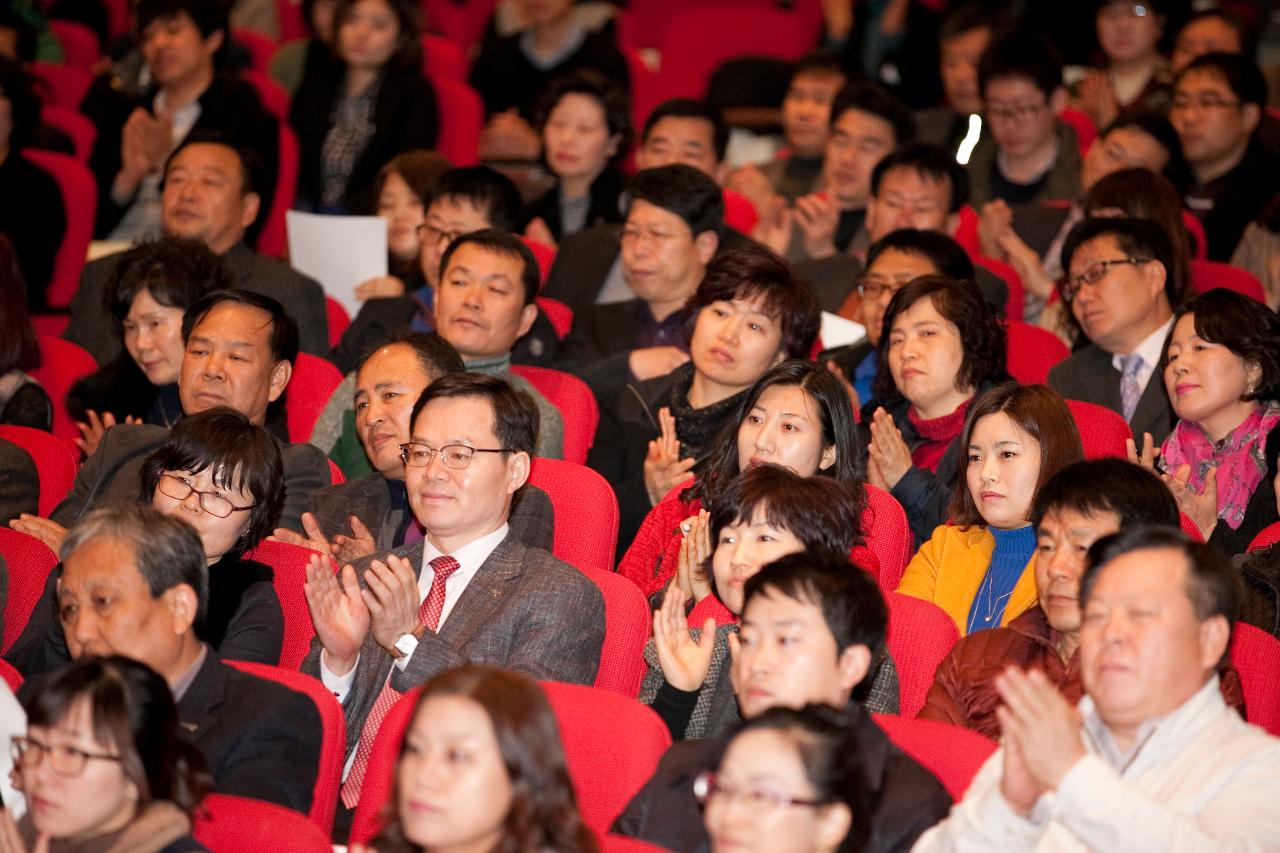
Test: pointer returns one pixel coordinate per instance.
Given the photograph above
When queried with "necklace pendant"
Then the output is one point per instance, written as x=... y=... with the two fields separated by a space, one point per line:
x=987 y=619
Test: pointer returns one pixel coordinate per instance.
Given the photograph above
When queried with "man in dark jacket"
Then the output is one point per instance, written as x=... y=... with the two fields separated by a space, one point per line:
x=836 y=627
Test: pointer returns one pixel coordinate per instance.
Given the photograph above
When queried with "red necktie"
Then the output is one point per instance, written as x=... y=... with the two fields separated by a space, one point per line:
x=428 y=614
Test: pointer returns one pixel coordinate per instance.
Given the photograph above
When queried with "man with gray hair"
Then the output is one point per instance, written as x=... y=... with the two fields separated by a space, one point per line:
x=135 y=583
x=1152 y=758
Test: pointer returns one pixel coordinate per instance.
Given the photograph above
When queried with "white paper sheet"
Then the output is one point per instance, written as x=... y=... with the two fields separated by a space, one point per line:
x=839 y=332
x=340 y=252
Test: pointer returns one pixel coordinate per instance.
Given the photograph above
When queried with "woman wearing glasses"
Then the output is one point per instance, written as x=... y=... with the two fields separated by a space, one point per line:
x=102 y=766
x=223 y=476
x=790 y=782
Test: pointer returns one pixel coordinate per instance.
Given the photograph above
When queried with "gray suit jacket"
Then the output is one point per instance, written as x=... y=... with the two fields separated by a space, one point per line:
x=19 y=482
x=1089 y=376
x=369 y=499
x=91 y=324
x=111 y=475
x=524 y=610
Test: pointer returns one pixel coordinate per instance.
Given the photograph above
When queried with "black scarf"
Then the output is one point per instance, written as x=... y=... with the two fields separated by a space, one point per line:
x=697 y=428
x=229 y=579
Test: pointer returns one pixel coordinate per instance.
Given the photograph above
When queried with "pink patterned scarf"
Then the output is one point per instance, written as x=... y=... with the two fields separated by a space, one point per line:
x=1239 y=459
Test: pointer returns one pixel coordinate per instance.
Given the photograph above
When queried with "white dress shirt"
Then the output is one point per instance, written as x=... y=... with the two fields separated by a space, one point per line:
x=1150 y=348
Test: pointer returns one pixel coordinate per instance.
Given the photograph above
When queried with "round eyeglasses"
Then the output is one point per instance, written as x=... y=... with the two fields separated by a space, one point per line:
x=213 y=503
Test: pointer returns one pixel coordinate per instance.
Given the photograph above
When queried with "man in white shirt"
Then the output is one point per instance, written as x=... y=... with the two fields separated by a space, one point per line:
x=1151 y=758
x=1122 y=294
x=469 y=592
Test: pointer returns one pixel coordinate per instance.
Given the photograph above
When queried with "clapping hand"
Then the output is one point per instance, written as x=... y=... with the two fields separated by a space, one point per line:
x=1041 y=735
x=391 y=594
x=663 y=467
x=338 y=611
x=695 y=548
x=1201 y=507
x=888 y=451
x=91 y=432
x=684 y=661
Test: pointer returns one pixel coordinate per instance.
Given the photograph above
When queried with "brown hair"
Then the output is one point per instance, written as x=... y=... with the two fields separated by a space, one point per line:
x=1041 y=413
x=419 y=169
x=544 y=814
x=18 y=347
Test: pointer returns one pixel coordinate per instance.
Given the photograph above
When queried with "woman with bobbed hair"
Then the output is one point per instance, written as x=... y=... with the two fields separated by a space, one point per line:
x=748 y=315
x=765 y=513
x=102 y=765
x=799 y=416
x=940 y=347
x=149 y=290
x=798 y=780
x=1222 y=374
x=223 y=476
x=980 y=567
x=370 y=104
x=481 y=768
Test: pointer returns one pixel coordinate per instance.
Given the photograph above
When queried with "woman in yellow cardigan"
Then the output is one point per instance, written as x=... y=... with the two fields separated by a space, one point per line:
x=980 y=568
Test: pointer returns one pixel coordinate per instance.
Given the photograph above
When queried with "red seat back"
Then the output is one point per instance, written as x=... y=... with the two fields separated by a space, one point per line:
x=229 y=824
x=273 y=238
x=260 y=47
x=463 y=22
x=1103 y=432
x=339 y=320
x=74 y=125
x=627 y=622
x=62 y=364
x=380 y=771
x=698 y=38
x=586 y=513
x=313 y=383
x=289 y=566
x=443 y=57
x=545 y=256
x=461 y=118
x=1199 y=241
x=274 y=97
x=888 y=535
x=30 y=562
x=289 y=16
x=1086 y=130
x=11 y=676
x=64 y=85
x=79 y=43
x=336 y=477
x=576 y=403
x=1267 y=537
x=333 y=741
x=559 y=315
x=55 y=462
x=951 y=753
x=1256 y=655
x=1206 y=275
x=921 y=634
x=1189 y=527
x=739 y=212
x=1032 y=352
x=79 y=200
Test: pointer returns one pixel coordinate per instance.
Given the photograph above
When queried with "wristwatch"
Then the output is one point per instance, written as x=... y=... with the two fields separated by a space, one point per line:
x=405 y=644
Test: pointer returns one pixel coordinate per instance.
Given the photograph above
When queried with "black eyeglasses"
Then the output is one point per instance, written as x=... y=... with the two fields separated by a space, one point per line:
x=66 y=761
x=211 y=502
x=707 y=786
x=416 y=454
x=1093 y=274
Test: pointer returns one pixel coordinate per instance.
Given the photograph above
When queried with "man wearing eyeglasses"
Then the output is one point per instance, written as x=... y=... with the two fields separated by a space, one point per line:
x=1120 y=291
x=468 y=592
x=1218 y=100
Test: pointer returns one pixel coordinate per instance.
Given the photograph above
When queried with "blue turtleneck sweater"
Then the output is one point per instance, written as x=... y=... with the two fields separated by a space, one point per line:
x=1013 y=551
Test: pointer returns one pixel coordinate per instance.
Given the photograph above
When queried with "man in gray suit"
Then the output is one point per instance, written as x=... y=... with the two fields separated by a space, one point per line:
x=469 y=592
x=209 y=195
x=369 y=514
x=240 y=348
x=1121 y=293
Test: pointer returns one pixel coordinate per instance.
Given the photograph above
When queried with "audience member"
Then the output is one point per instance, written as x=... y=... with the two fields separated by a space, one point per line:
x=816 y=79
x=1152 y=757
x=811 y=628
x=221 y=475
x=1222 y=374
x=1120 y=291
x=940 y=348
x=1144 y=194
x=370 y=103
x=400 y=192
x=1212 y=30
x=211 y=195
x=506 y=605
x=103 y=763
x=23 y=402
x=513 y=791
x=963 y=37
x=512 y=71
x=748 y=314
x=1218 y=99
x=240 y=349
x=585 y=122
x=892 y=262
x=484 y=303
x=763 y=514
x=797 y=415
x=32 y=216
x=370 y=514
x=149 y=290
x=180 y=41
x=866 y=124
x=295 y=60
x=813 y=752
x=1134 y=77
x=1031 y=155
x=135 y=583
x=1259 y=251
x=682 y=130
x=979 y=567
